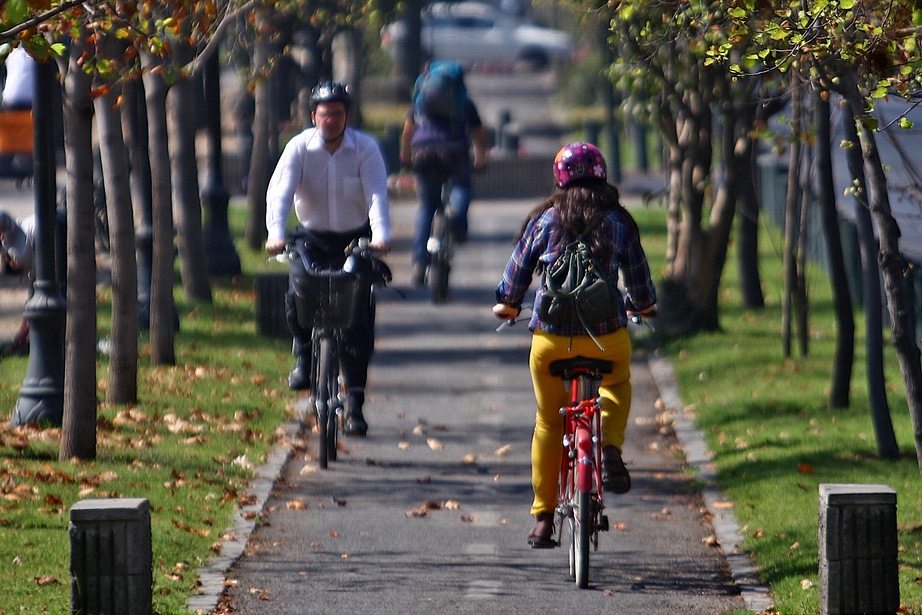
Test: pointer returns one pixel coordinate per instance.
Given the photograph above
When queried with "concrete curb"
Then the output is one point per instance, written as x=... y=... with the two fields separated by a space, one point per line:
x=753 y=591
x=244 y=523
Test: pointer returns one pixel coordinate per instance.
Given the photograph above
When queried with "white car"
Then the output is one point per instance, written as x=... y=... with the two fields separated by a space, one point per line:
x=477 y=33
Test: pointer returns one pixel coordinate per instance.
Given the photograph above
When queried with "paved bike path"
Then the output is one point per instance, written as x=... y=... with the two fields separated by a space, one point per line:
x=429 y=513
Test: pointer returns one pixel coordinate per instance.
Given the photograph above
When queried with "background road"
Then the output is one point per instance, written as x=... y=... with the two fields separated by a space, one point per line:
x=451 y=412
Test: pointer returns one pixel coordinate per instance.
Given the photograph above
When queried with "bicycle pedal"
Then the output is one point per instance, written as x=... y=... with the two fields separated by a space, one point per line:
x=603 y=523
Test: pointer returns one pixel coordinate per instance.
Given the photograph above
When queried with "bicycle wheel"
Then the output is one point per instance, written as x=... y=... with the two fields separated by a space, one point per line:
x=571 y=547
x=440 y=264
x=581 y=540
x=323 y=398
x=334 y=406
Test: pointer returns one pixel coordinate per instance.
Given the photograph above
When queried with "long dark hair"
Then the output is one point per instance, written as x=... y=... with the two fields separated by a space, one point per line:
x=578 y=204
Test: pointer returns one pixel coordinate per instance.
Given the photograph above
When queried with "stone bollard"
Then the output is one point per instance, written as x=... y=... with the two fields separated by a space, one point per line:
x=858 y=550
x=111 y=557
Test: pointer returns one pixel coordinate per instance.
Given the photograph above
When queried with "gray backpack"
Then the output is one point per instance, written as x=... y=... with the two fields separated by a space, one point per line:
x=576 y=289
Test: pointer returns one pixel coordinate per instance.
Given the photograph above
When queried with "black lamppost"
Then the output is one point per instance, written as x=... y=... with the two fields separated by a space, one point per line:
x=221 y=256
x=41 y=398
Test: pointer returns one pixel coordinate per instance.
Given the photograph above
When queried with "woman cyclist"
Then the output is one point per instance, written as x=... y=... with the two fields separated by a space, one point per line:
x=583 y=194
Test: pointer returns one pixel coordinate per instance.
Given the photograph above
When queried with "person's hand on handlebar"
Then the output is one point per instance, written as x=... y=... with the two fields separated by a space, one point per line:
x=380 y=247
x=275 y=246
x=648 y=312
x=505 y=312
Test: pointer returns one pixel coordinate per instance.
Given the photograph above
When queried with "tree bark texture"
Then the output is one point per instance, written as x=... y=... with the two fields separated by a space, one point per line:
x=123 y=361
x=182 y=123
x=892 y=266
x=887 y=446
x=78 y=432
x=845 y=318
x=162 y=308
x=261 y=160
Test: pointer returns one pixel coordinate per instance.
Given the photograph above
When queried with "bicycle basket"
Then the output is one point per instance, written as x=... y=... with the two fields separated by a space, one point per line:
x=334 y=301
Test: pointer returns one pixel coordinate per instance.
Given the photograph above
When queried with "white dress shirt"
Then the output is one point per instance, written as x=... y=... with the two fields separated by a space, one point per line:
x=331 y=192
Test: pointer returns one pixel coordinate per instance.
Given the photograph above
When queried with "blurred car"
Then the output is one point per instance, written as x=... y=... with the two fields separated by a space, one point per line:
x=476 y=32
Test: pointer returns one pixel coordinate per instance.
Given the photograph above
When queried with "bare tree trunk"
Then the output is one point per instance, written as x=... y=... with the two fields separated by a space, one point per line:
x=162 y=308
x=263 y=158
x=893 y=266
x=887 y=446
x=183 y=100
x=123 y=361
x=801 y=298
x=845 y=318
x=78 y=433
x=750 y=282
x=789 y=260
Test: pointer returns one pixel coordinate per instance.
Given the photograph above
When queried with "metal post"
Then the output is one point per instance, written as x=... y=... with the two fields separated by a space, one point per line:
x=41 y=398
x=221 y=256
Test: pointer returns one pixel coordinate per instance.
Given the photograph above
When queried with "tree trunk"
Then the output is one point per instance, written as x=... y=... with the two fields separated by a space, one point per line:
x=182 y=123
x=123 y=361
x=845 y=319
x=887 y=446
x=134 y=126
x=791 y=220
x=78 y=432
x=750 y=281
x=162 y=308
x=262 y=159
x=892 y=267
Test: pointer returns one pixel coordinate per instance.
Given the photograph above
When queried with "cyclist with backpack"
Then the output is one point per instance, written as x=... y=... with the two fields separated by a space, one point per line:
x=585 y=207
x=438 y=133
x=336 y=179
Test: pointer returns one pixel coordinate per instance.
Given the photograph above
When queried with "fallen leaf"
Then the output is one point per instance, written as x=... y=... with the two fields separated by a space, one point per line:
x=469 y=459
x=452 y=505
x=711 y=541
x=403 y=446
x=334 y=534
x=308 y=469
x=723 y=505
x=435 y=444
x=45 y=580
x=805 y=468
x=806 y=584
x=340 y=501
x=503 y=450
x=419 y=430
x=468 y=519
x=296 y=505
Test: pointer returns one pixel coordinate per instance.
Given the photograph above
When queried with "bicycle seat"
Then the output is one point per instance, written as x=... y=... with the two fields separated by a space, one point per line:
x=567 y=367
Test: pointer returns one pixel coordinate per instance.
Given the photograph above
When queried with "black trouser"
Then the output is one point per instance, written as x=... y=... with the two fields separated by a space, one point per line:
x=327 y=249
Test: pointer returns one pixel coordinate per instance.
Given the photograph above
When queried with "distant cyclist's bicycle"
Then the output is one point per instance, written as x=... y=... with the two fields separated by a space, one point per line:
x=440 y=247
x=335 y=299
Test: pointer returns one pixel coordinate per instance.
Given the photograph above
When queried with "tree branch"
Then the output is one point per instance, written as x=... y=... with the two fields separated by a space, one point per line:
x=212 y=47
x=10 y=34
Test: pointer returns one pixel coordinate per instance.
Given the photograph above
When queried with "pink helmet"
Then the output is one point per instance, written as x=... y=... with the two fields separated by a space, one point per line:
x=578 y=161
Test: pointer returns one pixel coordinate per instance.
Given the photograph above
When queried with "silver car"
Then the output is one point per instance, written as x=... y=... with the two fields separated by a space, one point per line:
x=478 y=33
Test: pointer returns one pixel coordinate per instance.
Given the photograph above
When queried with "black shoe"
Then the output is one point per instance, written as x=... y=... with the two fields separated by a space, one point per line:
x=541 y=536
x=615 y=477
x=299 y=378
x=419 y=275
x=355 y=422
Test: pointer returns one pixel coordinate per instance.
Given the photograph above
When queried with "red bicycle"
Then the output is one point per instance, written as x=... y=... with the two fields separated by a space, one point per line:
x=580 y=506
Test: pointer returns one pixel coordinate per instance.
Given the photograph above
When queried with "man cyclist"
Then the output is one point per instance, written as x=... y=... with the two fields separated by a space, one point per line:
x=335 y=178
x=437 y=147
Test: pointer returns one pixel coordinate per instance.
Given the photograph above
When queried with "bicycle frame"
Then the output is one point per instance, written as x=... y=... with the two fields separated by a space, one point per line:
x=580 y=502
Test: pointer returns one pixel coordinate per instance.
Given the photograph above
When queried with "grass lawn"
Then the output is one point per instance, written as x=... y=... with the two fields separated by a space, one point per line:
x=775 y=440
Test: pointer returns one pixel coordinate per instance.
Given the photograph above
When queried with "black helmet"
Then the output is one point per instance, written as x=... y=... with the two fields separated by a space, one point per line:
x=327 y=91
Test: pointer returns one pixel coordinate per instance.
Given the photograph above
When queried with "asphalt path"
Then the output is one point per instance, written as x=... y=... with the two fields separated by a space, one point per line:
x=429 y=513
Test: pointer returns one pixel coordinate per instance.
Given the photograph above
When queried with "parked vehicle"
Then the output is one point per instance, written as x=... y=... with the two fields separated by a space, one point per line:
x=478 y=33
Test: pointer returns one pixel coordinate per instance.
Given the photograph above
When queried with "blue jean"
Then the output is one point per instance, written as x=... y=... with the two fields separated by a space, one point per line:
x=429 y=193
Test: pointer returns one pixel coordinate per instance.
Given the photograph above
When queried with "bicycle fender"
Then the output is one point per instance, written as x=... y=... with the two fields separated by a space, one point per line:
x=584 y=461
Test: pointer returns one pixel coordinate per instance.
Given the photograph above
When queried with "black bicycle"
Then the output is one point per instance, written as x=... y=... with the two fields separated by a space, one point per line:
x=335 y=299
x=441 y=247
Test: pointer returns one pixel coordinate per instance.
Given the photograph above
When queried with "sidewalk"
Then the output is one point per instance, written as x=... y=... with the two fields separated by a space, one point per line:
x=350 y=543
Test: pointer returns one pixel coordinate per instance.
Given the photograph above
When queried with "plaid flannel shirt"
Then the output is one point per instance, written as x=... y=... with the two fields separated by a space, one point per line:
x=542 y=243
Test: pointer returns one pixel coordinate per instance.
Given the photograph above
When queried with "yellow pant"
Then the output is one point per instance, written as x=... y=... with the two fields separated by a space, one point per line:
x=615 y=390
